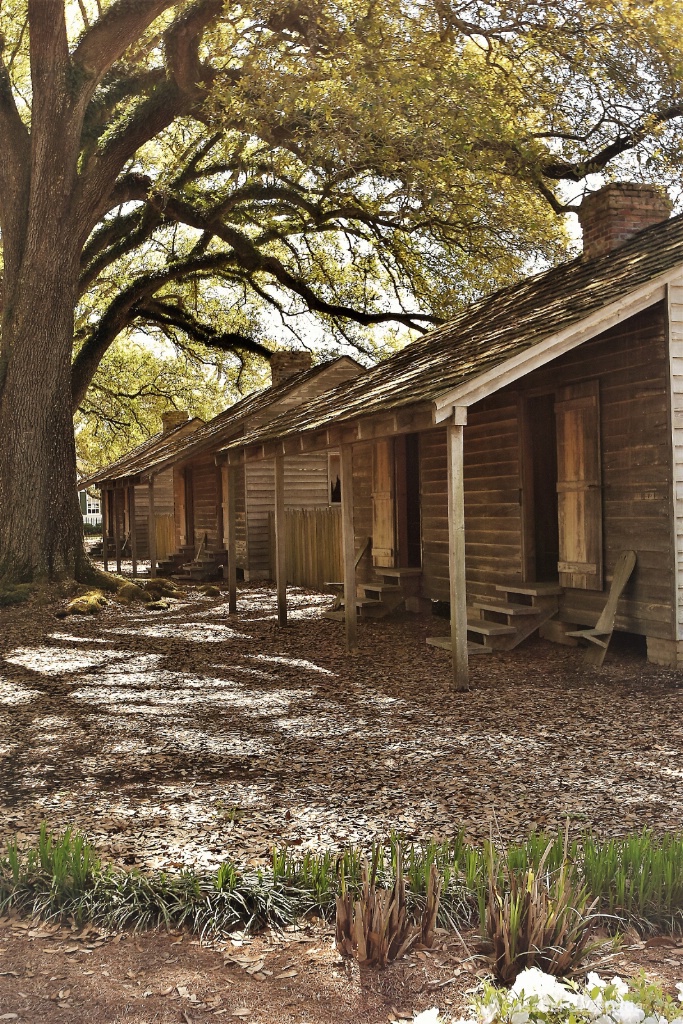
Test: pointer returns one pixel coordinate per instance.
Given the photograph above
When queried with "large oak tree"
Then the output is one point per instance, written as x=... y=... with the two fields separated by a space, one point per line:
x=198 y=168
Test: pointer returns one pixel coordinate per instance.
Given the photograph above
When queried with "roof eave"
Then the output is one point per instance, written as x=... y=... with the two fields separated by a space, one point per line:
x=555 y=345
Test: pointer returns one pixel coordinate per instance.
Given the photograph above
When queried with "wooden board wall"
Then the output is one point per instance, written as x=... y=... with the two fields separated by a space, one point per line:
x=630 y=361
x=207 y=497
x=362 y=506
x=631 y=364
x=492 y=501
x=675 y=297
x=306 y=486
x=163 y=505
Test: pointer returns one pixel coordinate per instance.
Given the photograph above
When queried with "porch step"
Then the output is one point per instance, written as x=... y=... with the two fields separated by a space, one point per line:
x=444 y=642
x=487 y=628
x=379 y=588
x=507 y=608
x=378 y=598
x=382 y=570
x=530 y=589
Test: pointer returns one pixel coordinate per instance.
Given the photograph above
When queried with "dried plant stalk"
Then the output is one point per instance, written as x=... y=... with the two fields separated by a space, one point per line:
x=375 y=928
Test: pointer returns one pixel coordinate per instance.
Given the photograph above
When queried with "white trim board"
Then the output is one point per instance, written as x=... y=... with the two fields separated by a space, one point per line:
x=554 y=345
x=675 y=316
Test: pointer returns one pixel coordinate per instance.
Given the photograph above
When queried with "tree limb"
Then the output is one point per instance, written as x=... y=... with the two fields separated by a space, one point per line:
x=121 y=24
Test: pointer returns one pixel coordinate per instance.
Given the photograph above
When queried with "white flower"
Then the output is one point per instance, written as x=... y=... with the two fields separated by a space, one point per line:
x=547 y=990
x=427 y=1016
x=594 y=980
x=679 y=986
x=520 y=1017
x=620 y=986
x=627 y=1012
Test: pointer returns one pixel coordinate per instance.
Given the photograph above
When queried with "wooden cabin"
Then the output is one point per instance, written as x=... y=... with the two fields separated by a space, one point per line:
x=502 y=463
x=199 y=484
x=129 y=520
x=182 y=482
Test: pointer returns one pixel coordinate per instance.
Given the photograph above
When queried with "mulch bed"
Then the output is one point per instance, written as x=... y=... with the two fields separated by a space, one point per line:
x=188 y=736
x=54 y=974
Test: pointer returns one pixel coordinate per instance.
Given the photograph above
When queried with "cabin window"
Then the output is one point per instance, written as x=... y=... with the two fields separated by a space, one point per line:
x=579 y=486
x=334 y=478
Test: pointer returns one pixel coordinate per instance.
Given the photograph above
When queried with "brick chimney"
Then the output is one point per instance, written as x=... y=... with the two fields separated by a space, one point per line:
x=284 y=365
x=619 y=211
x=172 y=419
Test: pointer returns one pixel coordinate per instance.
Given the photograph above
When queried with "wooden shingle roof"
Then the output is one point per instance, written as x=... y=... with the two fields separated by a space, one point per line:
x=489 y=332
x=178 y=445
x=131 y=464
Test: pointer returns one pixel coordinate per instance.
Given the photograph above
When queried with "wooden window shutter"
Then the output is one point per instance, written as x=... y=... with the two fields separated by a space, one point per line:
x=579 y=486
x=383 y=516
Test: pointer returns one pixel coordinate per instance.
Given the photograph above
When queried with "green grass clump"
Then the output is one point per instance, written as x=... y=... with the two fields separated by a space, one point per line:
x=14 y=593
x=637 y=879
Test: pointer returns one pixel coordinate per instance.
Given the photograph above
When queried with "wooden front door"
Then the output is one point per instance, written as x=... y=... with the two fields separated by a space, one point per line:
x=579 y=486
x=383 y=504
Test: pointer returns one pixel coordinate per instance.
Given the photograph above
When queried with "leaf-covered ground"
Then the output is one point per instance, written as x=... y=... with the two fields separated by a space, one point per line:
x=189 y=736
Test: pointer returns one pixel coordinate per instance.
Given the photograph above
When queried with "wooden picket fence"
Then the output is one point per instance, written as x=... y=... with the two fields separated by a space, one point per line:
x=165 y=535
x=314 y=546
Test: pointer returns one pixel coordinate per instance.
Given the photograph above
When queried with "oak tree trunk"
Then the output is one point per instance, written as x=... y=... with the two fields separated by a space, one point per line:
x=41 y=529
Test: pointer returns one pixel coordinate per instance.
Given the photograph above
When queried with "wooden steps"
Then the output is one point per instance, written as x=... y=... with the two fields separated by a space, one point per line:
x=523 y=608
x=172 y=564
x=445 y=643
x=378 y=598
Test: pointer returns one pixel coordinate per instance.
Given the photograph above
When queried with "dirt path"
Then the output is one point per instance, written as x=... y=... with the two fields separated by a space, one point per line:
x=62 y=976
x=186 y=736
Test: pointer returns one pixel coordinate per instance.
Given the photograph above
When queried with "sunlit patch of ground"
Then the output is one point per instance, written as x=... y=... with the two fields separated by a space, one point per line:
x=188 y=735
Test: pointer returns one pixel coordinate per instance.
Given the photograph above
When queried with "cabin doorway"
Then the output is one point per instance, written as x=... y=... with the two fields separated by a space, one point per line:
x=396 y=531
x=408 y=529
x=189 y=505
x=539 y=489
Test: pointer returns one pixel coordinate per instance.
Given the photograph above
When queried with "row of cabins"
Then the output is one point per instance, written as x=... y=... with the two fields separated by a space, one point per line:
x=501 y=464
x=166 y=501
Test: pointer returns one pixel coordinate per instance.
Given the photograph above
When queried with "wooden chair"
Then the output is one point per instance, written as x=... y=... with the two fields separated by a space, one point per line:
x=600 y=635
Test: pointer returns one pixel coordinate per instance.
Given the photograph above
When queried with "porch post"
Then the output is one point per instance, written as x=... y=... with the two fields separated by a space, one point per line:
x=117 y=527
x=349 y=547
x=104 y=504
x=133 y=534
x=229 y=482
x=456 y=550
x=280 y=541
x=151 y=529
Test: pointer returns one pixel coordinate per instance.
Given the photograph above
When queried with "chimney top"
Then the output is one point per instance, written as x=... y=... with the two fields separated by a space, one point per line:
x=619 y=211
x=286 y=364
x=172 y=419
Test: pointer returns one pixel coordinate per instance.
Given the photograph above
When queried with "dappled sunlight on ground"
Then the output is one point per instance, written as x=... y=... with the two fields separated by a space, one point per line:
x=185 y=736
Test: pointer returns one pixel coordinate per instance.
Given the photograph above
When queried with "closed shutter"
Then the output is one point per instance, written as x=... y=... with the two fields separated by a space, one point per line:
x=579 y=486
x=383 y=515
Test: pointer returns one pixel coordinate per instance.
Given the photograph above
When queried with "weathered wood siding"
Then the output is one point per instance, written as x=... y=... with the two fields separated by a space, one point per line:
x=630 y=361
x=492 y=500
x=362 y=506
x=306 y=486
x=163 y=506
x=676 y=391
x=207 y=497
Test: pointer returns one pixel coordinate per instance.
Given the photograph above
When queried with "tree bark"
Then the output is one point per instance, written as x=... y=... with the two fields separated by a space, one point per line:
x=41 y=529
